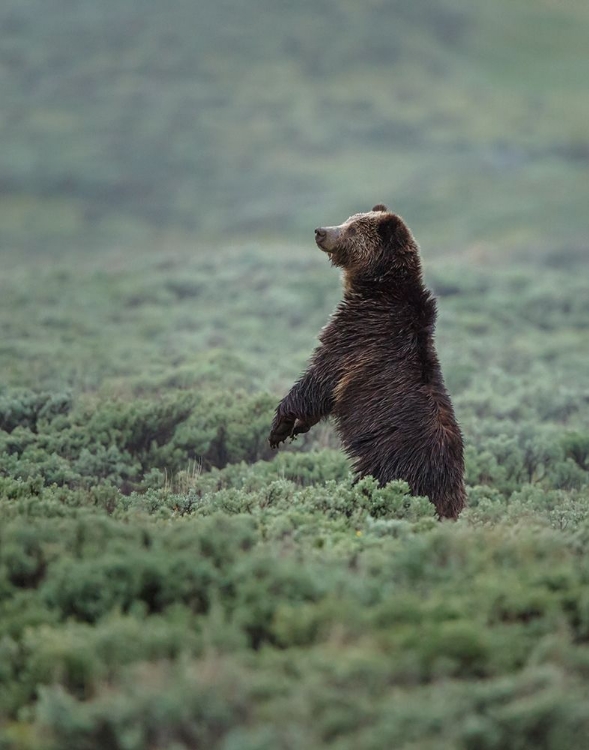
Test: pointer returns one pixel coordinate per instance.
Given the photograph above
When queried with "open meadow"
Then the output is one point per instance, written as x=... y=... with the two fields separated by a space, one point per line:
x=166 y=578
x=167 y=581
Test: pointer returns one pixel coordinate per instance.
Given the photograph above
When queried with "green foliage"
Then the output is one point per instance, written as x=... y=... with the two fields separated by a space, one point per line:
x=146 y=633
x=168 y=581
x=116 y=442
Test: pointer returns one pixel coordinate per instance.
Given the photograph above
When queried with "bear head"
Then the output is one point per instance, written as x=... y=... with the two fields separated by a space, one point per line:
x=370 y=245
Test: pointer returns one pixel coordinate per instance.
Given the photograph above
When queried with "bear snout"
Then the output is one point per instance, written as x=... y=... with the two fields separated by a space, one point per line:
x=326 y=238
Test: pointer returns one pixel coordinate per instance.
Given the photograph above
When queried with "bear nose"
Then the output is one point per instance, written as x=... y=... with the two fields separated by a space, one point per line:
x=320 y=233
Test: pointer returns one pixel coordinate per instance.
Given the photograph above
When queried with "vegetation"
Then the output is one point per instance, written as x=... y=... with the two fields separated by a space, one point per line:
x=167 y=581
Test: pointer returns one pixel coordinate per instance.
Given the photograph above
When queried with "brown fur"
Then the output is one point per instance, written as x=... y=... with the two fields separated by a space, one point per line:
x=376 y=370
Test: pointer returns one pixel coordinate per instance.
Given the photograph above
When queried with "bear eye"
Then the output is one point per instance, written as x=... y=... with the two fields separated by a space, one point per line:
x=352 y=231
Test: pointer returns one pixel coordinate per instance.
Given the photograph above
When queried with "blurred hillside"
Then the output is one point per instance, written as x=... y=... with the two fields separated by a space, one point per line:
x=131 y=122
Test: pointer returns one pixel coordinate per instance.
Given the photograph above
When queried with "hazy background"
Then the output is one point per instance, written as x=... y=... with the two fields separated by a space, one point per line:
x=135 y=124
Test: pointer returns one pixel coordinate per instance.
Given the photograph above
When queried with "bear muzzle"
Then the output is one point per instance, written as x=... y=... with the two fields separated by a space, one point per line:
x=327 y=238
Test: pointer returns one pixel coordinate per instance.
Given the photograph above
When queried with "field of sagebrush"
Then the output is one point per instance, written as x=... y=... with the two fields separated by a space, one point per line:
x=166 y=581
x=169 y=582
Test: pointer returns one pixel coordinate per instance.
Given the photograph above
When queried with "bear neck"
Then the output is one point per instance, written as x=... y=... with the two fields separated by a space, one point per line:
x=391 y=281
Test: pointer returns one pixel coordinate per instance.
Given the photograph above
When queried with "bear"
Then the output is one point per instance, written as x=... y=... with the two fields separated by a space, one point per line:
x=375 y=370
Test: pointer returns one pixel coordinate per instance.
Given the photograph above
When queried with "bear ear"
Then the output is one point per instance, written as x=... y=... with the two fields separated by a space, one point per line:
x=388 y=229
x=380 y=207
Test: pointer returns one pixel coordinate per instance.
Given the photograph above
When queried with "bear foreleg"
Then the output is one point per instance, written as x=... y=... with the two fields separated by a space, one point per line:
x=309 y=400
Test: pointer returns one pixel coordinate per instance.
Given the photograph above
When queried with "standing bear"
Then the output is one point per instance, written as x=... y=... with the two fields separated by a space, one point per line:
x=376 y=371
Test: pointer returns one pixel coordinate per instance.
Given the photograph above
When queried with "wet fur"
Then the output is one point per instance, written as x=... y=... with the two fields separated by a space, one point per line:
x=376 y=371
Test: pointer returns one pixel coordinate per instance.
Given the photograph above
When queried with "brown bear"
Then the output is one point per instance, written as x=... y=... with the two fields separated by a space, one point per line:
x=376 y=371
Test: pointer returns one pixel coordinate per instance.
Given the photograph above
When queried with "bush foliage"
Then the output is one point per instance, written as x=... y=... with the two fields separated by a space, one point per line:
x=168 y=582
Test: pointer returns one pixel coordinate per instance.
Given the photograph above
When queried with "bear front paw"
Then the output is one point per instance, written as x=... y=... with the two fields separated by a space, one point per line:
x=281 y=430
